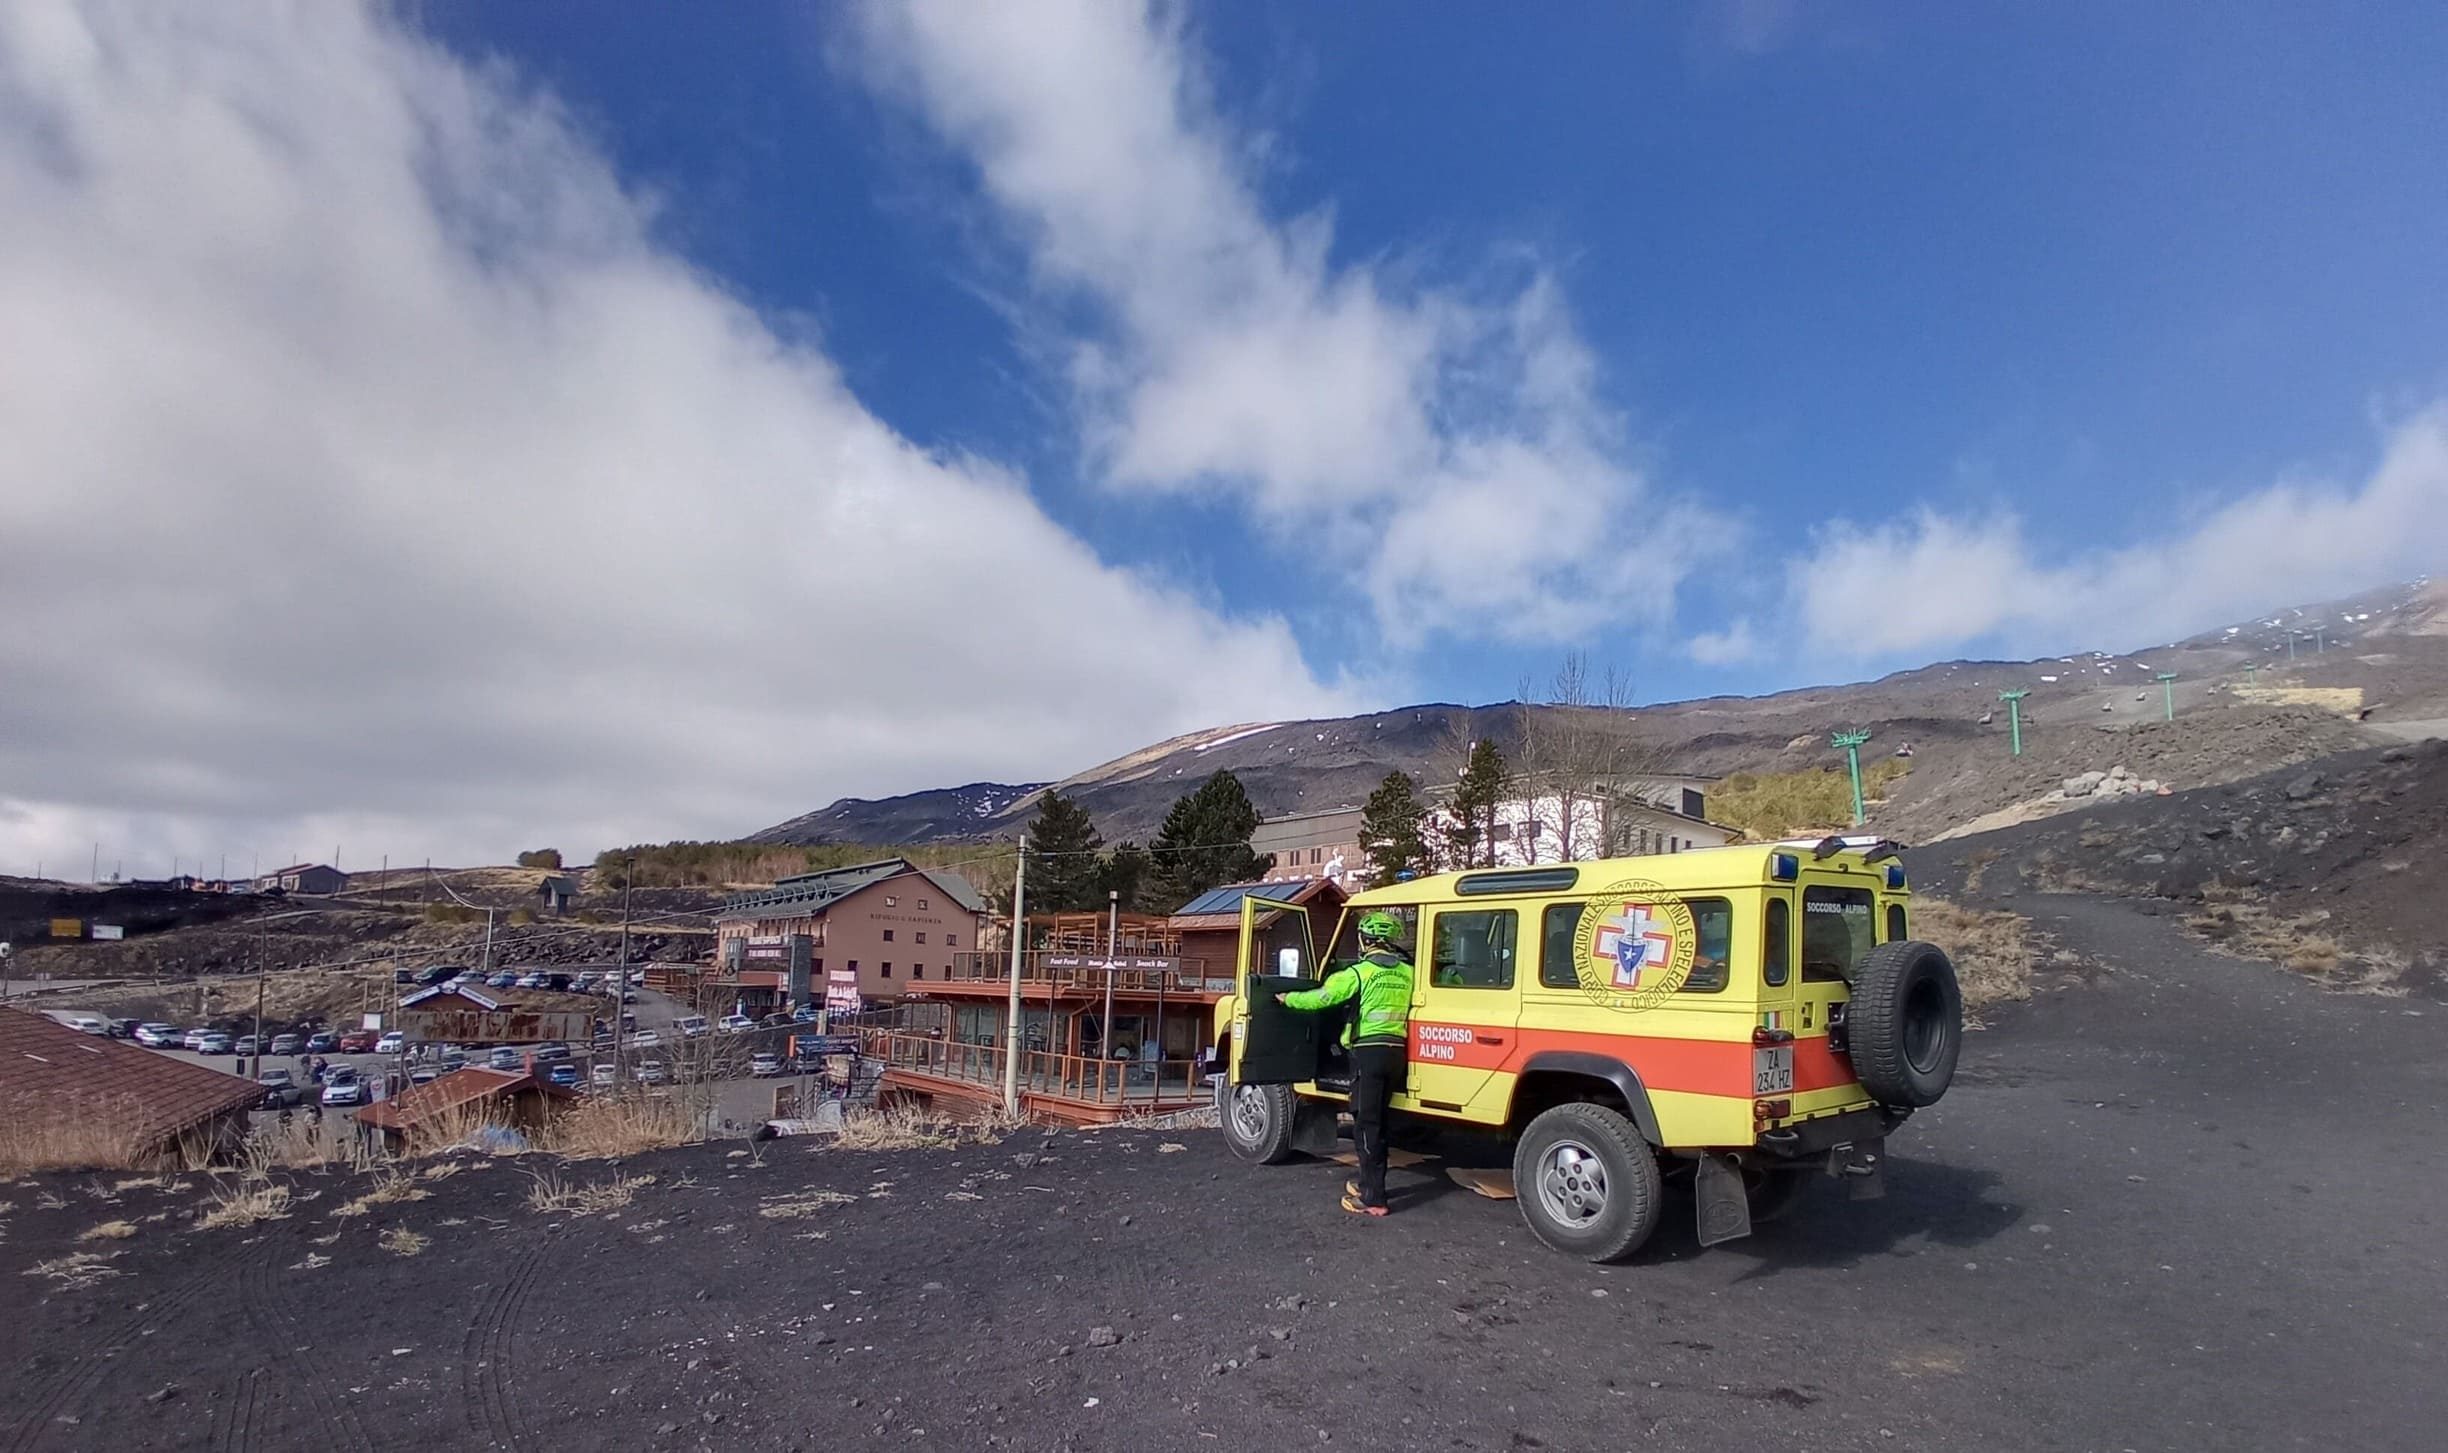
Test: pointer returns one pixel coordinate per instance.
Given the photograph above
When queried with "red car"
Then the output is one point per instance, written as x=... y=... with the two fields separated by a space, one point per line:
x=359 y=1041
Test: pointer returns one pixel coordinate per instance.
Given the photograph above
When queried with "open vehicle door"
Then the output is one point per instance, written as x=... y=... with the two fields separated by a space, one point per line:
x=1273 y=1045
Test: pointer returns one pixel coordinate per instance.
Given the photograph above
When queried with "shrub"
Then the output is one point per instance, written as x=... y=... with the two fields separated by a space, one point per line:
x=546 y=858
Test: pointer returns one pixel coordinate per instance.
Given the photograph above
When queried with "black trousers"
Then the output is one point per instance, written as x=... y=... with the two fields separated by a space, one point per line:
x=1377 y=1071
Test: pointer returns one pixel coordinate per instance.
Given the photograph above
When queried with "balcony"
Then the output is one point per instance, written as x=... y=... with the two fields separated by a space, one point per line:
x=1074 y=1089
x=1062 y=971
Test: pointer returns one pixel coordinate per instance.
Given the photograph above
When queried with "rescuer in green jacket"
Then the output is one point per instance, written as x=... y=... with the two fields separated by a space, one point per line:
x=1379 y=1038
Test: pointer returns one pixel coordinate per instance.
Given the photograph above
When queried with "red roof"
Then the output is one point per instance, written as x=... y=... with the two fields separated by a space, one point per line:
x=48 y=1069
x=458 y=1088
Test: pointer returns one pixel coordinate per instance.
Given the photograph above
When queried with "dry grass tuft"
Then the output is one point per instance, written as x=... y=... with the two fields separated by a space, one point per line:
x=896 y=1127
x=799 y=1205
x=554 y=1196
x=1992 y=951
x=109 y=1231
x=388 y=1190
x=404 y=1242
x=253 y=1199
x=75 y=1270
x=441 y=1170
x=2245 y=927
x=622 y=1125
x=83 y=1138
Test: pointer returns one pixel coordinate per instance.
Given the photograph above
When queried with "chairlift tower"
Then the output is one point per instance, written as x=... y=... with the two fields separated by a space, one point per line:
x=1852 y=744
x=2014 y=716
x=2167 y=689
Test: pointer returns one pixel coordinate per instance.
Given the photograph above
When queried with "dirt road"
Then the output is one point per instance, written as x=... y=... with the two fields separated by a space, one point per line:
x=2179 y=1202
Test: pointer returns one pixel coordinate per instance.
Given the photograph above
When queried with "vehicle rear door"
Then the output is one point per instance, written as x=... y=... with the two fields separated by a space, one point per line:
x=1835 y=923
x=1465 y=1001
x=1273 y=1045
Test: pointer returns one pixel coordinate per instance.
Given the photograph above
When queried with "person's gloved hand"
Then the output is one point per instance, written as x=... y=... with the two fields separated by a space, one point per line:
x=1282 y=997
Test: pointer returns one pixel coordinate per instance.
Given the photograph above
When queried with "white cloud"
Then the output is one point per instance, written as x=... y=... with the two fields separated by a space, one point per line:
x=373 y=476
x=1732 y=646
x=1931 y=582
x=1451 y=437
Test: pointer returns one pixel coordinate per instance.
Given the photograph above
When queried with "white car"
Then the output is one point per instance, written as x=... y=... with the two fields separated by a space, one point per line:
x=529 y=981
x=691 y=1025
x=734 y=1023
x=645 y=1039
x=193 y=1039
x=393 y=1043
x=212 y=1043
x=88 y=1023
x=601 y=1076
x=344 y=1089
x=650 y=1072
x=157 y=1036
x=764 y=1064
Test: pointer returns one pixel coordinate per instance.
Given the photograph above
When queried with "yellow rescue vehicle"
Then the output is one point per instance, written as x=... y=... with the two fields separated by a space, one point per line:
x=1753 y=1016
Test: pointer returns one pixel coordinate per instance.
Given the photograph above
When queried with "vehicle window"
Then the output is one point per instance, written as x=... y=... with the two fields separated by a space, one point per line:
x=1776 y=952
x=1713 y=922
x=1346 y=946
x=1561 y=926
x=1474 y=950
x=1837 y=929
x=1895 y=923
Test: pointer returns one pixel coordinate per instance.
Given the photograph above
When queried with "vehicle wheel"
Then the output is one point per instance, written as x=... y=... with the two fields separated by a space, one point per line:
x=1258 y=1121
x=1773 y=1193
x=1586 y=1181
x=1905 y=1023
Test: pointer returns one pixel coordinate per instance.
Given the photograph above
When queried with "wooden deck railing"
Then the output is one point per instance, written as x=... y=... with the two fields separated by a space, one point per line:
x=1087 y=973
x=1042 y=1072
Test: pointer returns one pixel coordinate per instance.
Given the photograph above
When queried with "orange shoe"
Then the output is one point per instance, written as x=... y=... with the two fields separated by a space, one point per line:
x=1353 y=1204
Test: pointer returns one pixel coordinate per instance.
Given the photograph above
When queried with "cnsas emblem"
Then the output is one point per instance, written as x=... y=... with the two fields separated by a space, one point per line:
x=1634 y=947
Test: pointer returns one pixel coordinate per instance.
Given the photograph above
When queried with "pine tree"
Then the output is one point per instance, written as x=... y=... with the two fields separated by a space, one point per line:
x=1390 y=835
x=1065 y=873
x=1204 y=842
x=1126 y=873
x=1471 y=837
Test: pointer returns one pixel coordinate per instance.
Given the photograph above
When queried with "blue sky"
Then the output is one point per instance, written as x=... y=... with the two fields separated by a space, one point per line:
x=537 y=422
x=2095 y=265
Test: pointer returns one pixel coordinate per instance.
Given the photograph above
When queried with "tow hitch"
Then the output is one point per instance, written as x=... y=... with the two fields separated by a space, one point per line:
x=1858 y=1163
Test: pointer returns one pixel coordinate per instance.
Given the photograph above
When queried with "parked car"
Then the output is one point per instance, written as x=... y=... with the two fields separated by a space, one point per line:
x=551 y=1053
x=502 y=980
x=215 y=1042
x=691 y=1025
x=280 y=1090
x=628 y=996
x=344 y=1088
x=736 y=1023
x=528 y=981
x=436 y=973
x=287 y=1044
x=506 y=1057
x=601 y=1075
x=645 y=1039
x=247 y=1045
x=322 y=1041
x=157 y=1036
x=392 y=1043
x=123 y=1028
x=558 y=983
x=650 y=1072
x=764 y=1063
x=563 y=1074
x=359 y=1041
x=87 y=1023
x=426 y=1073
x=454 y=1060
x=804 y=1014
x=194 y=1038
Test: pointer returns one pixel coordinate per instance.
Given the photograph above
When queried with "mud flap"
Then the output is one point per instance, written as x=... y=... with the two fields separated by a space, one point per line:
x=1725 y=1211
x=1859 y=1165
x=1313 y=1129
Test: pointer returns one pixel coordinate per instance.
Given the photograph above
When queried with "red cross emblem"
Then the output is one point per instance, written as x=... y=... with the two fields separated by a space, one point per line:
x=1630 y=943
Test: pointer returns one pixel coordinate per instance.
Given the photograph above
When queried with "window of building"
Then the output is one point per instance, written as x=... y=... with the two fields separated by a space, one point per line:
x=891 y=902
x=1317 y=855
x=917 y=971
x=951 y=941
x=1776 y=951
x=921 y=935
x=819 y=966
x=922 y=903
x=887 y=971
x=888 y=933
x=1474 y=950
x=854 y=966
x=1836 y=932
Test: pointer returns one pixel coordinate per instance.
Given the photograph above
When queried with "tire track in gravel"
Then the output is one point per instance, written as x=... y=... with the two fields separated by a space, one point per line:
x=490 y=1403
x=94 y=1358
x=234 y=1429
x=266 y=1303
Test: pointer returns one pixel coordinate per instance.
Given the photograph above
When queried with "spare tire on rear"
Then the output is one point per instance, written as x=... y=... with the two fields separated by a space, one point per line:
x=1904 y=1024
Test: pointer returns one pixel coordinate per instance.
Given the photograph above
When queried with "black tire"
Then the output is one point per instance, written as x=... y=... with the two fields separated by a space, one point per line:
x=1905 y=1023
x=1586 y=1181
x=1258 y=1121
x=1774 y=1193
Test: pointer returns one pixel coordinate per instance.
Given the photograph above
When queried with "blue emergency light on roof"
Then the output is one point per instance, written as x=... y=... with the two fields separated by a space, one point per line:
x=1784 y=867
x=1406 y=875
x=1895 y=875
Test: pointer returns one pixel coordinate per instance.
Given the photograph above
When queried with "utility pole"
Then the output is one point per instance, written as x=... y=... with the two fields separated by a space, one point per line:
x=620 y=989
x=1011 y=1032
x=1852 y=744
x=2320 y=639
x=2014 y=715
x=1113 y=926
x=2167 y=688
x=95 y=876
x=2291 y=635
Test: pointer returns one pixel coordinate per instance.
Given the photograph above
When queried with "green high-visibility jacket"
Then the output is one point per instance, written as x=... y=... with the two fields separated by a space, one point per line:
x=1383 y=982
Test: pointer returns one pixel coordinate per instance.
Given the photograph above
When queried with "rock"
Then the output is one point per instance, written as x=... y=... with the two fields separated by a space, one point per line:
x=2085 y=784
x=1104 y=1337
x=2303 y=787
x=163 y=1394
x=2214 y=831
x=1290 y=1304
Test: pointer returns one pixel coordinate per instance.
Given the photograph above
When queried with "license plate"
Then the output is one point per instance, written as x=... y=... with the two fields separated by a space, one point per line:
x=1772 y=1070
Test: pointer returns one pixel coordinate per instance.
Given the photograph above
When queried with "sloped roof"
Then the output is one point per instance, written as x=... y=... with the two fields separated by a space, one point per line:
x=438 y=1097
x=491 y=1000
x=1221 y=907
x=48 y=1070
x=813 y=893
